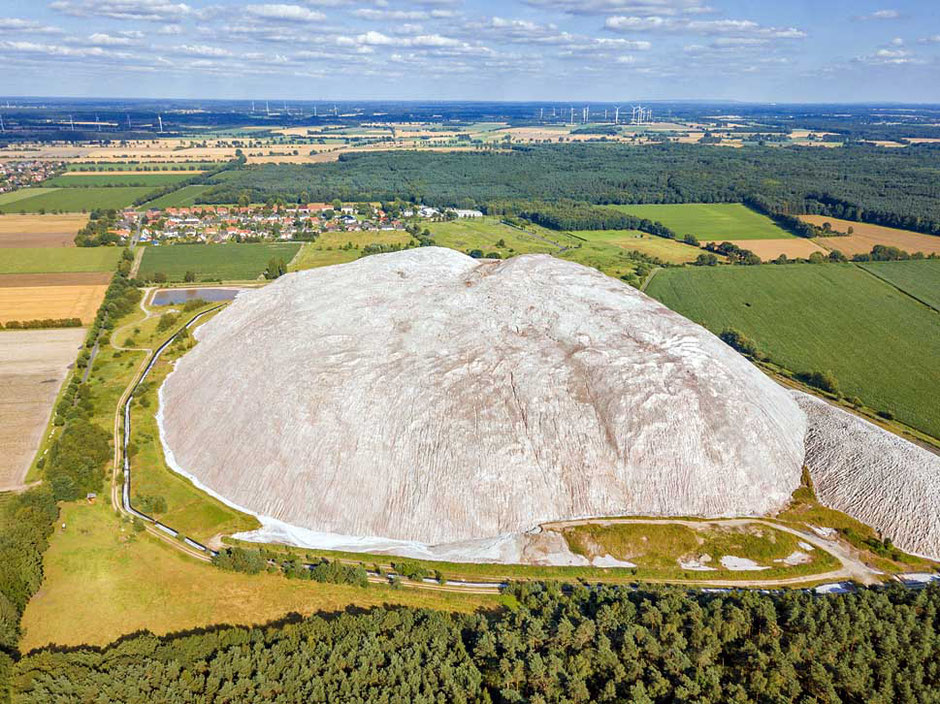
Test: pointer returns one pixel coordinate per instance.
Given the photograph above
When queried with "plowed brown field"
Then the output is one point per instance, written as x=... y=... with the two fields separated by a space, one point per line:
x=40 y=230
x=33 y=364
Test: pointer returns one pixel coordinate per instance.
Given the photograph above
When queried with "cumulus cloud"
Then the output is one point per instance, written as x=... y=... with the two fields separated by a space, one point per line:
x=628 y=24
x=15 y=24
x=284 y=13
x=881 y=15
x=144 y=10
x=633 y=7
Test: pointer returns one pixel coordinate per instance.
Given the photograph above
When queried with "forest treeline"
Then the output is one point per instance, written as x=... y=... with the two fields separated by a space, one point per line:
x=26 y=522
x=603 y=644
x=897 y=188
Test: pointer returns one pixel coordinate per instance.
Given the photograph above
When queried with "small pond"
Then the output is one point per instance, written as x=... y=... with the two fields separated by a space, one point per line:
x=172 y=296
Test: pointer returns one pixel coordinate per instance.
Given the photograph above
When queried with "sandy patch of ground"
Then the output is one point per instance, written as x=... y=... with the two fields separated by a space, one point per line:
x=865 y=236
x=33 y=364
x=797 y=557
x=697 y=564
x=37 y=302
x=740 y=564
x=793 y=247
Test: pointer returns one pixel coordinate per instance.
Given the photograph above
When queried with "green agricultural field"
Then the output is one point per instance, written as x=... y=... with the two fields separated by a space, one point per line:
x=20 y=195
x=485 y=234
x=669 y=251
x=185 y=196
x=57 y=260
x=878 y=342
x=75 y=199
x=78 y=180
x=334 y=247
x=211 y=262
x=920 y=279
x=710 y=221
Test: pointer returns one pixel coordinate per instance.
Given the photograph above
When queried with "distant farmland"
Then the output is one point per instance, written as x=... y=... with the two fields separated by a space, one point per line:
x=879 y=344
x=72 y=199
x=40 y=230
x=211 y=262
x=142 y=178
x=710 y=221
x=920 y=279
x=183 y=197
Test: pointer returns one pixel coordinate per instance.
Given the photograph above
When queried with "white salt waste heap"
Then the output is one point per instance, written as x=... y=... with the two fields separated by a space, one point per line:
x=882 y=480
x=425 y=396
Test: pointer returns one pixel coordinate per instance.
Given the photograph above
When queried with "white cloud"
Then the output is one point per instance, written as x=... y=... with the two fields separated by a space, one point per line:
x=284 y=13
x=200 y=50
x=881 y=15
x=368 y=13
x=630 y=24
x=146 y=10
x=633 y=7
x=934 y=39
x=15 y=24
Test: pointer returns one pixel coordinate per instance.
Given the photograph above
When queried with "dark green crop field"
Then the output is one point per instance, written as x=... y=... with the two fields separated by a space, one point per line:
x=81 y=180
x=182 y=197
x=880 y=344
x=229 y=262
x=74 y=200
x=920 y=279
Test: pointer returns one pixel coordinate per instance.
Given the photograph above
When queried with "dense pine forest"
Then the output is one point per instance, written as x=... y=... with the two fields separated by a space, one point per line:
x=899 y=188
x=602 y=644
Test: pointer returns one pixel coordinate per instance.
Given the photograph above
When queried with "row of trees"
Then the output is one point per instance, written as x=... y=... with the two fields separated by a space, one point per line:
x=601 y=644
x=42 y=323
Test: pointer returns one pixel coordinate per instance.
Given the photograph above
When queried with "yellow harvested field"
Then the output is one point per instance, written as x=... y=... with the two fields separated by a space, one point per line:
x=40 y=230
x=865 y=236
x=793 y=247
x=33 y=364
x=37 y=302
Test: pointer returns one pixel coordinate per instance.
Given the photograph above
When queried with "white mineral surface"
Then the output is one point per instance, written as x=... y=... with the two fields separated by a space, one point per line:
x=877 y=477
x=423 y=398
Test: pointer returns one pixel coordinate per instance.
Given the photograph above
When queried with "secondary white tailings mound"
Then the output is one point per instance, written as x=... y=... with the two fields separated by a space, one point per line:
x=426 y=396
x=880 y=479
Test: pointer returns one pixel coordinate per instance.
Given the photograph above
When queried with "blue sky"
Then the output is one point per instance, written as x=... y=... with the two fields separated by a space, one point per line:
x=604 y=50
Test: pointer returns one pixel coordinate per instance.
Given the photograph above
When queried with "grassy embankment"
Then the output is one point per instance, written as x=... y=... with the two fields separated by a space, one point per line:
x=877 y=341
x=192 y=512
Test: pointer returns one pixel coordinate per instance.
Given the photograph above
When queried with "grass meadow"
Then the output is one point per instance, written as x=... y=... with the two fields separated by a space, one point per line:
x=101 y=580
x=669 y=251
x=54 y=260
x=877 y=341
x=710 y=221
x=213 y=262
x=73 y=199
